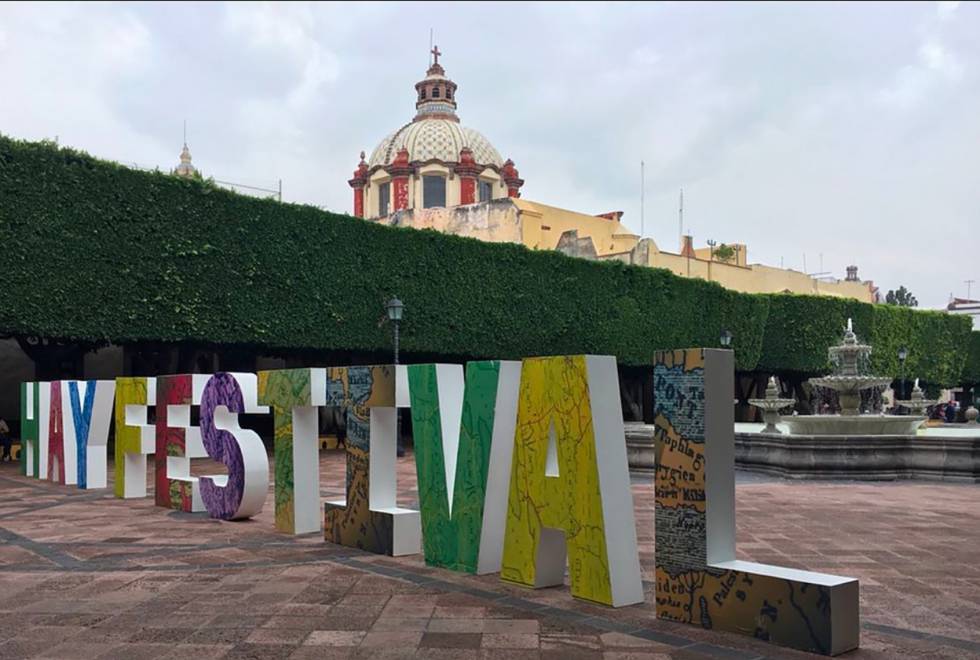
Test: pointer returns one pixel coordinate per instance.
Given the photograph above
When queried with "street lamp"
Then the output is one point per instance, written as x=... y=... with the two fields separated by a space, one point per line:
x=726 y=338
x=395 y=309
x=902 y=354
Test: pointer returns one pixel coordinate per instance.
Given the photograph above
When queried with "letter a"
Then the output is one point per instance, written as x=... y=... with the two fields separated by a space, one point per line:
x=580 y=498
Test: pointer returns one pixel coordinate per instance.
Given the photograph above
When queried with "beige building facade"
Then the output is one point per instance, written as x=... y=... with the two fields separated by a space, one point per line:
x=435 y=173
x=603 y=237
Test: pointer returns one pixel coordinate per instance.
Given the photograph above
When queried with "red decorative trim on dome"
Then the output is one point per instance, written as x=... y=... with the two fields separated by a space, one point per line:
x=511 y=177
x=400 y=165
x=360 y=174
x=467 y=165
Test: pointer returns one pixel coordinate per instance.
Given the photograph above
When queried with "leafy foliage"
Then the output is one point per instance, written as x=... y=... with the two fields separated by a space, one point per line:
x=97 y=252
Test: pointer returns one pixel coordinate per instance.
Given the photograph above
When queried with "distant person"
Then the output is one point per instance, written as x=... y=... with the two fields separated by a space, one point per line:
x=951 y=412
x=5 y=440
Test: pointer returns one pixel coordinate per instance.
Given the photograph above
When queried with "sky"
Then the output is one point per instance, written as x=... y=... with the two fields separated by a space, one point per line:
x=838 y=133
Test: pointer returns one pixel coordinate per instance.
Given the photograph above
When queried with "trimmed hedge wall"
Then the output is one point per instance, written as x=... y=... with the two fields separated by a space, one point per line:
x=800 y=329
x=97 y=252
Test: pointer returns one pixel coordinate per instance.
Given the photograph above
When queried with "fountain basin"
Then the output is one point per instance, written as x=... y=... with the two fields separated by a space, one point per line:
x=853 y=424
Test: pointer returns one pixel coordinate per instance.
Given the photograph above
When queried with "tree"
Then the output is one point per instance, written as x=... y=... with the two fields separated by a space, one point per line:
x=902 y=297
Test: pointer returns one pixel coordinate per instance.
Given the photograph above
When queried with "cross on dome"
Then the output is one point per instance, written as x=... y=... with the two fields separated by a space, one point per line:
x=435 y=54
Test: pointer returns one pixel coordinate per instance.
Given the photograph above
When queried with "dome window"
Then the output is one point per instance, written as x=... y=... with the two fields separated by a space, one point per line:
x=422 y=94
x=486 y=191
x=435 y=92
x=384 y=197
x=433 y=191
x=449 y=93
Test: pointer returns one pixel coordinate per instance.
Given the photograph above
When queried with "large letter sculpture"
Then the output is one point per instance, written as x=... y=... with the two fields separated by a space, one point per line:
x=570 y=484
x=61 y=465
x=178 y=442
x=464 y=439
x=369 y=517
x=241 y=493
x=698 y=578
x=30 y=412
x=135 y=438
x=293 y=395
x=86 y=429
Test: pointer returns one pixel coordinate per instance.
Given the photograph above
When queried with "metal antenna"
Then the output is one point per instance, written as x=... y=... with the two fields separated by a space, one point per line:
x=969 y=285
x=642 y=186
x=680 y=218
x=185 y=132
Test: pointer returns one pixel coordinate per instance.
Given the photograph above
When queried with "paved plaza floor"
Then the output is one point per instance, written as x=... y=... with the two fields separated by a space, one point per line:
x=85 y=575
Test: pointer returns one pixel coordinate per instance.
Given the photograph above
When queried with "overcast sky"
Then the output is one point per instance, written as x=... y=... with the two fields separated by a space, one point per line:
x=850 y=131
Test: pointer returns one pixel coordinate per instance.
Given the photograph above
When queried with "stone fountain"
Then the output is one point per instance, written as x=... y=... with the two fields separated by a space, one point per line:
x=917 y=403
x=771 y=405
x=849 y=379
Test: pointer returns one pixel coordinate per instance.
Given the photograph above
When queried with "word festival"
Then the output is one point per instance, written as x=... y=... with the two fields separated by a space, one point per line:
x=521 y=466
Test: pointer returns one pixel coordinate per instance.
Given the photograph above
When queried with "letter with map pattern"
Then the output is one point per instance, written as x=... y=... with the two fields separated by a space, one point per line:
x=369 y=517
x=699 y=581
x=87 y=419
x=30 y=411
x=294 y=395
x=241 y=492
x=570 y=483
x=135 y=437
x=463 y=434
x=178 y=442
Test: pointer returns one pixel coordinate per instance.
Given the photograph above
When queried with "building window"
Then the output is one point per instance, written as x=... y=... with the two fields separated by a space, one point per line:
x=435 y=92
x=433 y=191
x=486 y=191
x=384 y=197
x=423 y=94
x=449 y=93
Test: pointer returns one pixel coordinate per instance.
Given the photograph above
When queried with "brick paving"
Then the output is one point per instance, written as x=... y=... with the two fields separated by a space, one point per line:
x=84 y=575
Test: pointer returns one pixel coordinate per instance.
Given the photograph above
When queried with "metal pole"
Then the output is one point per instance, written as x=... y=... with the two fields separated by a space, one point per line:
x=398 y=417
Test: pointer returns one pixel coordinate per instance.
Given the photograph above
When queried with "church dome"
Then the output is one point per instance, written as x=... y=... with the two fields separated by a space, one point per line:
x=435 y=139
x=433 y=161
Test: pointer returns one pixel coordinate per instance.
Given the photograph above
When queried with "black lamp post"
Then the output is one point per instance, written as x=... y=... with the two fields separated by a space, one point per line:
x=902 y=354
x=726 y=338
x=395 y=309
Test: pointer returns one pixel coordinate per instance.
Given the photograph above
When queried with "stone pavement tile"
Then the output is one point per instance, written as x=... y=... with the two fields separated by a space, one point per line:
x=334 y=638
x=615 y=640
x=247 y=651
x=277 y=636
x=392 y=639
x=459 y=612
x=323 y=653
x=198 y=651
x=635 y=655
x=73 y=650
x=456 y=625
x=509 y=654
x=214 y=635
x=392 y=624
x=297 y=622
x=511 y=625
x=510 y=640
x=559 y=642
x=235 y=621
x=162 y=635
x=137 y=652
x=341 y=622
x=450 y=640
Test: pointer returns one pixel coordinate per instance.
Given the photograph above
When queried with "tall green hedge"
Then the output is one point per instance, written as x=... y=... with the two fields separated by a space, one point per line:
x=96 y=251
x=801 y=328
x=971 y=372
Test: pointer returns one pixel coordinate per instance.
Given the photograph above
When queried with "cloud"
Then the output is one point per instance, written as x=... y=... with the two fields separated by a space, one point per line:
x=846 y=129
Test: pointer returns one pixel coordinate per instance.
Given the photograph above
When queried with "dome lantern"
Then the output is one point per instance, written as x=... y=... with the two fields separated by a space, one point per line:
x=436 y=93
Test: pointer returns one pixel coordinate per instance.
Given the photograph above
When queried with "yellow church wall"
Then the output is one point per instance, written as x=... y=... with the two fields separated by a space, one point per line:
x=539 y=226
x=543 y=225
